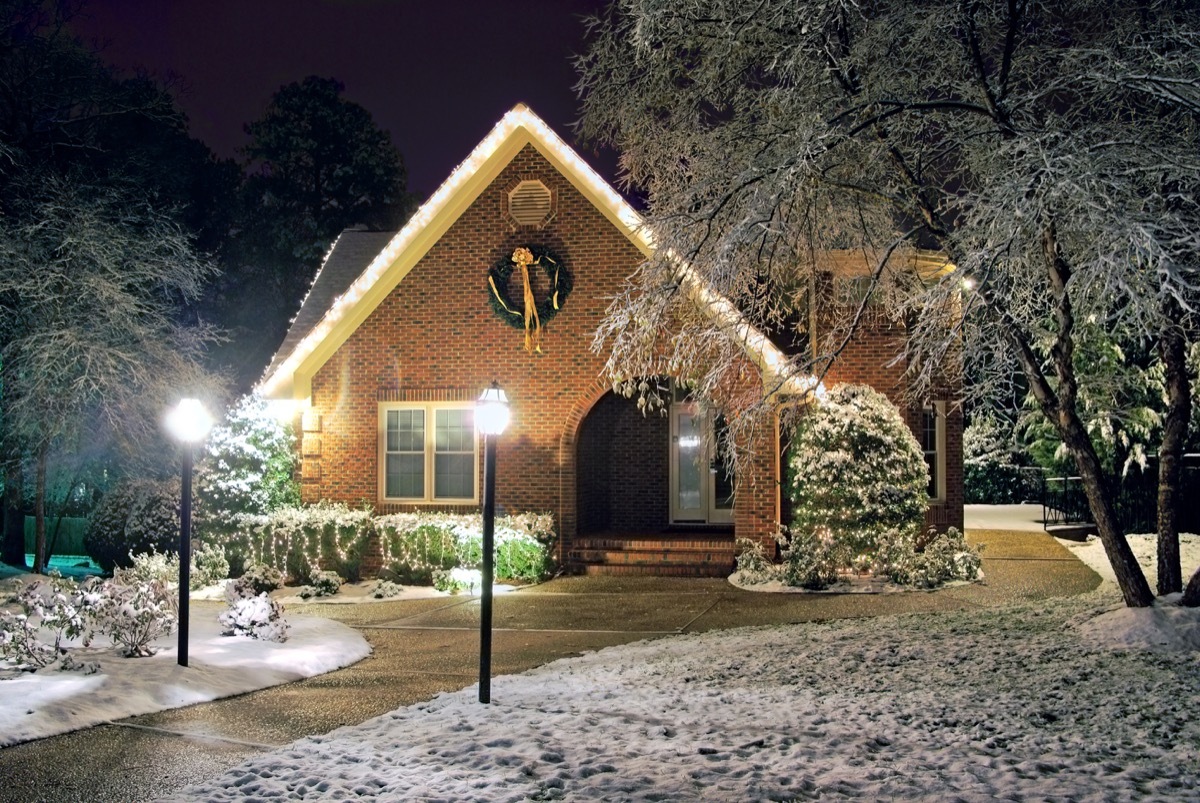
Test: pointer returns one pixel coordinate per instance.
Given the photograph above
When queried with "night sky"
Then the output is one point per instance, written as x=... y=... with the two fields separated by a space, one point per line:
x=436 y=75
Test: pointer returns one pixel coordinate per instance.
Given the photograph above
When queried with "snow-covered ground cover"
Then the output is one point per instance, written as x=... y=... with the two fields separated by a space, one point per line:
x=1072 y=699
x=49 y=702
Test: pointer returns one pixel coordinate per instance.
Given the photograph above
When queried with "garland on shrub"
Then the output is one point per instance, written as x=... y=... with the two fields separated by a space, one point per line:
x=529 y=314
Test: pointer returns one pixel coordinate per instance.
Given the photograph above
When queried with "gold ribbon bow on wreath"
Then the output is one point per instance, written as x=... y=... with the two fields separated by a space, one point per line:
x=531 y=316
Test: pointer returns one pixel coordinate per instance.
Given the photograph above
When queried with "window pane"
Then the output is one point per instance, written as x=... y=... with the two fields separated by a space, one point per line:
x=406 y=430
x=405 y=476
x=929 y=431
x=455 y=431
x=454 y=476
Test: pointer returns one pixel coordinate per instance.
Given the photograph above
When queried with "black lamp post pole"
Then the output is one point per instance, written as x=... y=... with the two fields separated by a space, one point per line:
x=485 y=601
x=185 y=553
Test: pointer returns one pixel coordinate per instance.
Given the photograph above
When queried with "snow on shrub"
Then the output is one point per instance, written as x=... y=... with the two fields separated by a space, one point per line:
x=385 y=589
x=260 y=578
x=209 y=566
x=856 y=474
x=254 y=615
x=249 y=466
x=152 y=565
x=456 y=581
x=57 y=605
x=294 y=539
x=134 y=517
x=753 y=566
x=811 y=559
x=134 y=613
x=942 y=558
x=417 y=545
x=323 y=584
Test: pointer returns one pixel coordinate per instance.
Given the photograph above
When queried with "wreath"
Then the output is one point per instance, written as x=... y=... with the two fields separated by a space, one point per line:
x=527 y=313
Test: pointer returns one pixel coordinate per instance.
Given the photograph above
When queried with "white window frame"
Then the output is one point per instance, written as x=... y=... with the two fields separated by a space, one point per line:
x=938 y=408
x=430 y=409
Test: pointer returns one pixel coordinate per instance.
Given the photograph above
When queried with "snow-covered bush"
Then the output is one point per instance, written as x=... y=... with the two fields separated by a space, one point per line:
x=811 y=559
x=456 y=581
x=322 y=584
x=67 y=610
x=385 y=589
x=416 y=545
x=294 y=539
x=939 y=558
x=152 y=565
x=249 y=467
x=133 y=613
x=990 y=473
x=259 y=578
x=134 y=517
x=856 y=473
x=254 y=615
x=130 y=610
x=209 y=566
x=753 y=566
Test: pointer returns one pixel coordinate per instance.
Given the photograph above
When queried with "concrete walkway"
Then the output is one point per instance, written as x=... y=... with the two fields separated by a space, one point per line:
x=423 y=647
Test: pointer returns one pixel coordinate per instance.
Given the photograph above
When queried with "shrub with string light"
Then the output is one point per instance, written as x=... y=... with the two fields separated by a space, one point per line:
x=857 y=479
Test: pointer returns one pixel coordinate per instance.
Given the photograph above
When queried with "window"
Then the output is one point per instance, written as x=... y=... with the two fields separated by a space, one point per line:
x=427 y=453
x=933 y=444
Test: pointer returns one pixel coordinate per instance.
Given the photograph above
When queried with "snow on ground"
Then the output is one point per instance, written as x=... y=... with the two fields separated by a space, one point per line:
x=1015 y=703
x=49 y=702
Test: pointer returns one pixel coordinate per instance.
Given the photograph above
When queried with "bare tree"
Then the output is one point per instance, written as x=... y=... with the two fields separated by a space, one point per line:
x=92 y=351
x=1047 y=149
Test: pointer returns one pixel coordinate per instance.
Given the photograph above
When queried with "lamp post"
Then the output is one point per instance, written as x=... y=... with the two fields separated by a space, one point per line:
x=491 y=417
x=188 y=422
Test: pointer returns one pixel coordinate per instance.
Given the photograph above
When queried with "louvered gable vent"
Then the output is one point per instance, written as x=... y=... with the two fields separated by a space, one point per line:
x=530 y=203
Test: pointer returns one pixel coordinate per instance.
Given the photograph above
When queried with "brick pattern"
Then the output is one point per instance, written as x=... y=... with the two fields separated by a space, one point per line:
x=571 y=449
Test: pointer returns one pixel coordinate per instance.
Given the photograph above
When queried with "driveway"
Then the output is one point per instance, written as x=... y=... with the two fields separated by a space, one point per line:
x=423 y=647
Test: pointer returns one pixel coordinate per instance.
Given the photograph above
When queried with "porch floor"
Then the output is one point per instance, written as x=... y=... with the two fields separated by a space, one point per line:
x=678 y=551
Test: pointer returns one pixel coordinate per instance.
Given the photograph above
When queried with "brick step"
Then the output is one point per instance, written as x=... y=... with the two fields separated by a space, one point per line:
x=666 y=557
x=653 y=570
x=657 y=545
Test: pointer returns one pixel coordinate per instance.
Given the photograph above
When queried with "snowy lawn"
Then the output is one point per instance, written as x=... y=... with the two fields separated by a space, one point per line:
x=1073 y=699
x=48 y=702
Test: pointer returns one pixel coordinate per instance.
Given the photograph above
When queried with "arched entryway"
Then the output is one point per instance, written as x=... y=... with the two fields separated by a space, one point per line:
x=624 y=490
x=621 y=469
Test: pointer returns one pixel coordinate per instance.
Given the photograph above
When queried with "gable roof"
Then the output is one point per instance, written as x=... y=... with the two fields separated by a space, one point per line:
x=340 y=301
x=349 y=255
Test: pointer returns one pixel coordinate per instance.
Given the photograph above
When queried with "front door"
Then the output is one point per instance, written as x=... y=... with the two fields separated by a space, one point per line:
x=701 y=487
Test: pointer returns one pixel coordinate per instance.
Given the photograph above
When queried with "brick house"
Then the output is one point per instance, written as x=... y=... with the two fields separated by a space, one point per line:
x=402 y=331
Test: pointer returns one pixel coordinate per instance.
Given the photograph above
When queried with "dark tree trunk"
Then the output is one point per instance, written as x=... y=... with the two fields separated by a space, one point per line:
x=40 y=558
x=1172 y=347
x=1060 y=405
x=13 y=552
x=1128 y=571
x=1191 y=594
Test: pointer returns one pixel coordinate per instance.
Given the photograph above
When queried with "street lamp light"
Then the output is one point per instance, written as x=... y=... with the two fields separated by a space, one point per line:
x=491 y=417
x=188 y=422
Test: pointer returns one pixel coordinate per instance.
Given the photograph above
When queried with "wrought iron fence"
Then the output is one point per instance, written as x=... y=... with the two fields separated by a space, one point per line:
x=1135 y=499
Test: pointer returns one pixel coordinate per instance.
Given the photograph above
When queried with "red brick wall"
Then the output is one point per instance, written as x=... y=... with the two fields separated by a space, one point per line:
x=435 y=337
